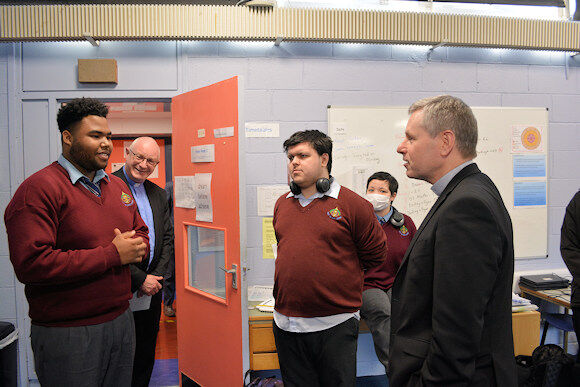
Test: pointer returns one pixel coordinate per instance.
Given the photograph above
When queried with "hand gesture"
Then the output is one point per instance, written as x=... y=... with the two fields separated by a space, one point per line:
x=131 y=250
x=151 y=285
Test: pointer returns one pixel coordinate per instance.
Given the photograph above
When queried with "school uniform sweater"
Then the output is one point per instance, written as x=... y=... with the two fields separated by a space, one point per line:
x=322 y=250
x=382 y=276
x=60 y=240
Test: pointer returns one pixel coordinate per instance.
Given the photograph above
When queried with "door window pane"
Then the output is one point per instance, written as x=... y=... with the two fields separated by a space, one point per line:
x=206 y=255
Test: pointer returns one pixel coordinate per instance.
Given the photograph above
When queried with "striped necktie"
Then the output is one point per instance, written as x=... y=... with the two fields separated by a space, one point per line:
x=91 y=186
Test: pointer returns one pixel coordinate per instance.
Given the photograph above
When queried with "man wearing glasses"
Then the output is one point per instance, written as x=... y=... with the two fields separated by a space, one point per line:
x=141 y=158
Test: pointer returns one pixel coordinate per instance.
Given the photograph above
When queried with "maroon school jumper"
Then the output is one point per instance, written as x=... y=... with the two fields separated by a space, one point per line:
x=322 y=249
x=382 y=277
x=60 y=239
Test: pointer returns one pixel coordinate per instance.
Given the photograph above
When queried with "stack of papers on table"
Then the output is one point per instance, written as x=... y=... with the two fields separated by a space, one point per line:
x=520 y=304
x=266 y=306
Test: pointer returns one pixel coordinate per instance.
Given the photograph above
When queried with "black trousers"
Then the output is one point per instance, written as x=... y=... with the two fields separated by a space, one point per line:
x=169 y=282
x=146 y=329
x=324 y=358
x=576 y=322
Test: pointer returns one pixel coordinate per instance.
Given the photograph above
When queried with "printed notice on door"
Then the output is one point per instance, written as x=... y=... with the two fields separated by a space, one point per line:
x=203 y=203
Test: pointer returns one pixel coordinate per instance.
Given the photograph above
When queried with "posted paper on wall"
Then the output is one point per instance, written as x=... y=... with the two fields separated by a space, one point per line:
x=527 y=139
x=203 y=153
x=267 y=196
x=203 y=202
x=184 y=191
x=116 y=166
x=262 y=129
x=224 y=132
x=268 y=238
x=529 y=193
x=529 y=165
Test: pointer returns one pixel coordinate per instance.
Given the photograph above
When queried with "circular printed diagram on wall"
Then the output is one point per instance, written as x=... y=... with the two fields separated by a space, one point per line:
x=531 y=138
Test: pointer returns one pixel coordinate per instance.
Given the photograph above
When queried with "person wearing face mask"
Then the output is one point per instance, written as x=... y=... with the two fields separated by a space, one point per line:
x=399 y=229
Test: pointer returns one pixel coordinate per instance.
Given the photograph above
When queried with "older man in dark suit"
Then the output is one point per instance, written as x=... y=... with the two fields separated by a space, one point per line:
x=142 y=156
x=451 y=305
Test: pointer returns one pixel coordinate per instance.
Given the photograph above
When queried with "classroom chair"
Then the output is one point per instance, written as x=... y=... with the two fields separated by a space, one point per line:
x=560 y=321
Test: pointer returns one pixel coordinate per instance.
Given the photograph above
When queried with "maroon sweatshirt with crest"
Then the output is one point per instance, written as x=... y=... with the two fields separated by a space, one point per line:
x=60 y=240
x=322 y=250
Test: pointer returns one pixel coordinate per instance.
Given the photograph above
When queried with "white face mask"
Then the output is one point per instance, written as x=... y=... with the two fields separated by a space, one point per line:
x=379 y=202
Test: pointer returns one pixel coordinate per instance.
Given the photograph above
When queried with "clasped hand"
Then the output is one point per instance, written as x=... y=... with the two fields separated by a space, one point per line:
x=150 y=286
x=131 y=249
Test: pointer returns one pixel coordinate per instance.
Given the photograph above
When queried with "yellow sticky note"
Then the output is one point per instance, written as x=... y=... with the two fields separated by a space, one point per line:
x=268 y=238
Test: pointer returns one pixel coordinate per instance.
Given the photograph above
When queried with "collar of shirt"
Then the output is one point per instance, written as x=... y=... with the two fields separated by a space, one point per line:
x=332 y=192
x=74 y=174
x=440 y=184
x=145 y=210
x=384 y=219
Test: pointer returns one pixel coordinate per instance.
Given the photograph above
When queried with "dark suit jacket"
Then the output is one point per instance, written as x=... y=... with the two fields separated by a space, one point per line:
x=570 y=245
x=163 y=234
x=451 y=301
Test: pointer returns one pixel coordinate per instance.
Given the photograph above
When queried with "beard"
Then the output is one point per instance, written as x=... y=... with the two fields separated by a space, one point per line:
x=85 y=160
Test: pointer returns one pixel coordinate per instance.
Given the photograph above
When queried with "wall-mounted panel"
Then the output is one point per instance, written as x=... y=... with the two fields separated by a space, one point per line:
x=124 y=21
x=141 y=65
x=36 y=135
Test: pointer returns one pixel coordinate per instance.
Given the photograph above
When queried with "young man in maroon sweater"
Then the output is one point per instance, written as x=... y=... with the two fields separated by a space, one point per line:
x=72 y=231
x=326 y=235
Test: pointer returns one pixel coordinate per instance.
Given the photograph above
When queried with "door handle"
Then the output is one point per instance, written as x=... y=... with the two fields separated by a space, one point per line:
x=234 y=272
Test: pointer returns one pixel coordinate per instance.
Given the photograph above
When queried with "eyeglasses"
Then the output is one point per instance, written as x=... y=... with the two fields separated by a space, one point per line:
x=139 y=158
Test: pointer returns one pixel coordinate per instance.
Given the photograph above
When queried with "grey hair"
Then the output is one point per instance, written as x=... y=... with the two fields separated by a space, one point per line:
x=447 y=112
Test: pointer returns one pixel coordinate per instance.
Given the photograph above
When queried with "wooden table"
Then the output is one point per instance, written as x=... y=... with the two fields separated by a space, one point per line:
x=263 y=356
x=560 y=297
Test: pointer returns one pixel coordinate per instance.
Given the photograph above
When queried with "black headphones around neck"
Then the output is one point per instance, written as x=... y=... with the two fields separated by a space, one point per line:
x=397 y=219
x=322 y=185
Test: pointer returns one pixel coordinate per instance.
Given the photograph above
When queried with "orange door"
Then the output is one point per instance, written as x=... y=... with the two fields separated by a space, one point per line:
x=209 y=324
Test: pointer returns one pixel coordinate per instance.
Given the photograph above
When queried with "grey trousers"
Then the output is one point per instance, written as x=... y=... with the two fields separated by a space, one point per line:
x=91 y=355
x=376 y=311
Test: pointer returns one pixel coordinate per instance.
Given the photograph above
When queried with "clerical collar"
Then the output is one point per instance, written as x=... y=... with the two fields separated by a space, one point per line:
x=132 y=184
x=440 y=184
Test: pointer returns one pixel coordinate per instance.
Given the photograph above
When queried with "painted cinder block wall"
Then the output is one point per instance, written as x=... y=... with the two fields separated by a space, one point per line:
x=292 y=84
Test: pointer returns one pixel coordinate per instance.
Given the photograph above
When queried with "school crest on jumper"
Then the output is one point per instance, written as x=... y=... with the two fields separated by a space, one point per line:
x=334 y=214
x=404 y=231
x=126 y=199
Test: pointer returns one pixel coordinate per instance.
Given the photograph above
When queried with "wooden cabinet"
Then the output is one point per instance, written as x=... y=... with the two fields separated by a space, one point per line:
x=262 y=346
x=525 y=325
x=526 y=329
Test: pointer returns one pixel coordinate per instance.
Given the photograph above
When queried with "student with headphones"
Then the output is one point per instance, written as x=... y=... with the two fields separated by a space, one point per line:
x=399 y=229
x=326 y=235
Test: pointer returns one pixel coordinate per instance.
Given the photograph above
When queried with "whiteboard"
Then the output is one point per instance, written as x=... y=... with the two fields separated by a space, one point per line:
x=366 y=138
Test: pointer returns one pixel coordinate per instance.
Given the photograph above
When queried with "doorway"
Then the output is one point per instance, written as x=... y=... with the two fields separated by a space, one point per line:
x=129 y=119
